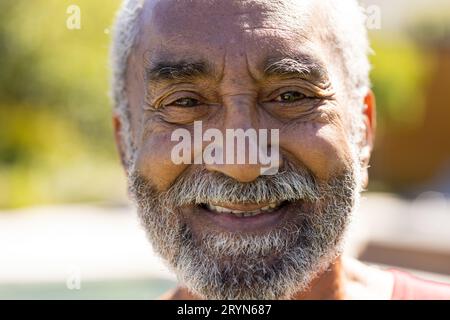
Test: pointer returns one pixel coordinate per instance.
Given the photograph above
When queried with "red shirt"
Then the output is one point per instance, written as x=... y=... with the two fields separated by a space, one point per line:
x=409 y=287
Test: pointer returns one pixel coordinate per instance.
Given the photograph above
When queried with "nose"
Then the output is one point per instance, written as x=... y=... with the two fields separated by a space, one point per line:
x=241 y=141
x=242 y=173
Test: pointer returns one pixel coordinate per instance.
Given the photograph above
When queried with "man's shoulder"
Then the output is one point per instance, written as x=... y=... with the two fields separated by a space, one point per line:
x=410 y=287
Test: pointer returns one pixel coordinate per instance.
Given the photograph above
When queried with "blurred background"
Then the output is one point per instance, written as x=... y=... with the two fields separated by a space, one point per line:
x=66 y=227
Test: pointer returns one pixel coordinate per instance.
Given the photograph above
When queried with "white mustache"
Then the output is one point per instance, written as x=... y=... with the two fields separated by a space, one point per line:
x=202 y=186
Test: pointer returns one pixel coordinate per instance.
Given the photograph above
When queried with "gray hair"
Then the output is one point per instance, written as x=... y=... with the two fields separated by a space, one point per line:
x=347 y=25
x=126 y=30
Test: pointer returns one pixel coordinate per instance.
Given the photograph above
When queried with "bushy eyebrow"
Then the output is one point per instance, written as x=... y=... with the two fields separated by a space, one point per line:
x=302 y=67
x=179 y=71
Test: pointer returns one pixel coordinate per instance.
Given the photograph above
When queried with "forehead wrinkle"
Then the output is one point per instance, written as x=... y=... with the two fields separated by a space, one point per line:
x=272 y=13
x=220 y=19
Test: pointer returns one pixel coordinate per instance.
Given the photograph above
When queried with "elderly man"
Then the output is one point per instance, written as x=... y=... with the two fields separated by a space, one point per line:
x=294 y=71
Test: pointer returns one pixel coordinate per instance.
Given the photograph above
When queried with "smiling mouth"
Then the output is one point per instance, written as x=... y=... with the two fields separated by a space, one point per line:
x=248 y=217
x=244 y=210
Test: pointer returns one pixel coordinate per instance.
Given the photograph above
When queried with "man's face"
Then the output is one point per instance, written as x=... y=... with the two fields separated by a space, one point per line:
x=227 y=231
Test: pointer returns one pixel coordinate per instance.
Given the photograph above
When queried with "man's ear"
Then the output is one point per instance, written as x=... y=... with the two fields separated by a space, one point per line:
x=117 y=127
x=370 y=124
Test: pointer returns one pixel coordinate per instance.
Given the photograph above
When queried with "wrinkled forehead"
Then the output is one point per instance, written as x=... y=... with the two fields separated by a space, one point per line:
x=213 y=27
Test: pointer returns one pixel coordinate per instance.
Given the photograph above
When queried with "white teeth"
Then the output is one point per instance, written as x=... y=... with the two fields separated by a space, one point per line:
x=270 y=207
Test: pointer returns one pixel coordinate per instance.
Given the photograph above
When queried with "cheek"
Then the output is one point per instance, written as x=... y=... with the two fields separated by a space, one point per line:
x=322 y=148
x=154 y=160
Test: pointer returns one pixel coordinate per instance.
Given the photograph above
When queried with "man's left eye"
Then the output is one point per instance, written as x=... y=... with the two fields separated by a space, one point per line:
x=290 y=96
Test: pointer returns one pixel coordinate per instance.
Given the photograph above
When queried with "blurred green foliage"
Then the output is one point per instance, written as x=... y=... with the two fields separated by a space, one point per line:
x=400 y=71
x=56 y=140
x=53 y=102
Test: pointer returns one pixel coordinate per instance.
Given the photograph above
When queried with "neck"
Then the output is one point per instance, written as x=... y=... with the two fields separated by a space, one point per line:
x=329 y=285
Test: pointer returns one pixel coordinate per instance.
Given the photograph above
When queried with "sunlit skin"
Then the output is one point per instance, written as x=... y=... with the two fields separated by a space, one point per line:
x=234 y=88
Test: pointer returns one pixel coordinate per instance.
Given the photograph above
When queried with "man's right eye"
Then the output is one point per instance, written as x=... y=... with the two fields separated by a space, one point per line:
x=186 y=102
